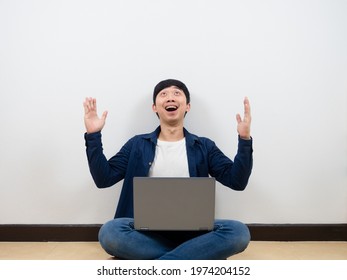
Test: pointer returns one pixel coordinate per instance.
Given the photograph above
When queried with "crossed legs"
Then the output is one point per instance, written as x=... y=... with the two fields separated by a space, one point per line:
x=119 y=238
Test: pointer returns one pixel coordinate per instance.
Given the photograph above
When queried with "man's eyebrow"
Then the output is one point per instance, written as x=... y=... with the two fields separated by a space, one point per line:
x=164 y=89
x=178 y=88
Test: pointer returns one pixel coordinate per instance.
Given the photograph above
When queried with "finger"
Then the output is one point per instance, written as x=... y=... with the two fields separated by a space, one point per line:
x=91 y=103
x=104 y=115
x=86 y=105
x=238 y=118
x=247 y=106
x=247 y=109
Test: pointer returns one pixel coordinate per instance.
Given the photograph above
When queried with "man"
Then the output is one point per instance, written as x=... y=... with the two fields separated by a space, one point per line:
x=168 y=151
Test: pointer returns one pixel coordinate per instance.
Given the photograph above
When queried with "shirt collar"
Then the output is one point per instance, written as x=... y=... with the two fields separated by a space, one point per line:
x=190 y=138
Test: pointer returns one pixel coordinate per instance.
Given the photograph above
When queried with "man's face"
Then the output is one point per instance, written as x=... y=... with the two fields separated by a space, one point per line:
x=171 y=104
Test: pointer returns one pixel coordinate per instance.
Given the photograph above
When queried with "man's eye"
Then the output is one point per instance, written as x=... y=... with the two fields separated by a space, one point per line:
x=163 y=94
x=177 y=93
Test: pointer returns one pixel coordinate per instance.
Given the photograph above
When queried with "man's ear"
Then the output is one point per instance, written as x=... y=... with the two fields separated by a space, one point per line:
x=188 y=107
x=154 y=108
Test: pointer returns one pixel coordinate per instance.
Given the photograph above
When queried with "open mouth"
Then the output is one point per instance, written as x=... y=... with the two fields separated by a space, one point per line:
x=171 y=108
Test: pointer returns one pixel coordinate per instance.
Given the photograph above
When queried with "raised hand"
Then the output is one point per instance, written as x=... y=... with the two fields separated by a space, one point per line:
x=244 y=125
x=91 y=119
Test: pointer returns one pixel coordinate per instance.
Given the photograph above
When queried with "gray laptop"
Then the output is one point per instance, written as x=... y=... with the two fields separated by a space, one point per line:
x=174 y=203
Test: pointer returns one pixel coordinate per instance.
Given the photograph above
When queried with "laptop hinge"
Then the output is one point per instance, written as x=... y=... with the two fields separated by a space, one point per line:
x=144 y=228
x=203 y=229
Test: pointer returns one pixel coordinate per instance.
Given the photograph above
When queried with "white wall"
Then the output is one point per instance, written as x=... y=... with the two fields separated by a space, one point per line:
x=288 y=57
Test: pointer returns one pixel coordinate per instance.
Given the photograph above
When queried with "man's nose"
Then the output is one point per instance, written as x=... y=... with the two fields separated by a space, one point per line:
x=171 y=96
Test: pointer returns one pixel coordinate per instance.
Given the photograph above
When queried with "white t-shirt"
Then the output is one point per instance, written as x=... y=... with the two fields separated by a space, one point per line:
x=170 y=160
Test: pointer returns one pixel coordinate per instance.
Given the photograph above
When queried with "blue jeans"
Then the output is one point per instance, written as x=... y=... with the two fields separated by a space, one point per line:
x=119 y=238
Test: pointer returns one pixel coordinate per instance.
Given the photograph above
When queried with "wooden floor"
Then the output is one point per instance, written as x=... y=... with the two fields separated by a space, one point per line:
x=92 y=251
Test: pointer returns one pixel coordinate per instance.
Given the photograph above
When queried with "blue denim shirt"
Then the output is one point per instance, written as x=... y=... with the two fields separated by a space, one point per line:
x=136 y=156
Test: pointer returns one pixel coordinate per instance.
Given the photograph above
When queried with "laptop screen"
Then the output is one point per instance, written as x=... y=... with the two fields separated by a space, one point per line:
x=174 y=203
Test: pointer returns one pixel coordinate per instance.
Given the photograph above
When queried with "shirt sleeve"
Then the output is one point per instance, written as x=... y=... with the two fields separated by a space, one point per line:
x=234 y=174
x=105 y=172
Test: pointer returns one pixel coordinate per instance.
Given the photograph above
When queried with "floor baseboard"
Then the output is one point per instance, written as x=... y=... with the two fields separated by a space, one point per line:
x=89 y=232
x=298 y=232
x=42 y=233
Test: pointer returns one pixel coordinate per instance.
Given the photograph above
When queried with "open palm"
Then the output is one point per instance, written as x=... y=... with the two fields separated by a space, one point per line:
x=244 y=125
x=91 y=119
